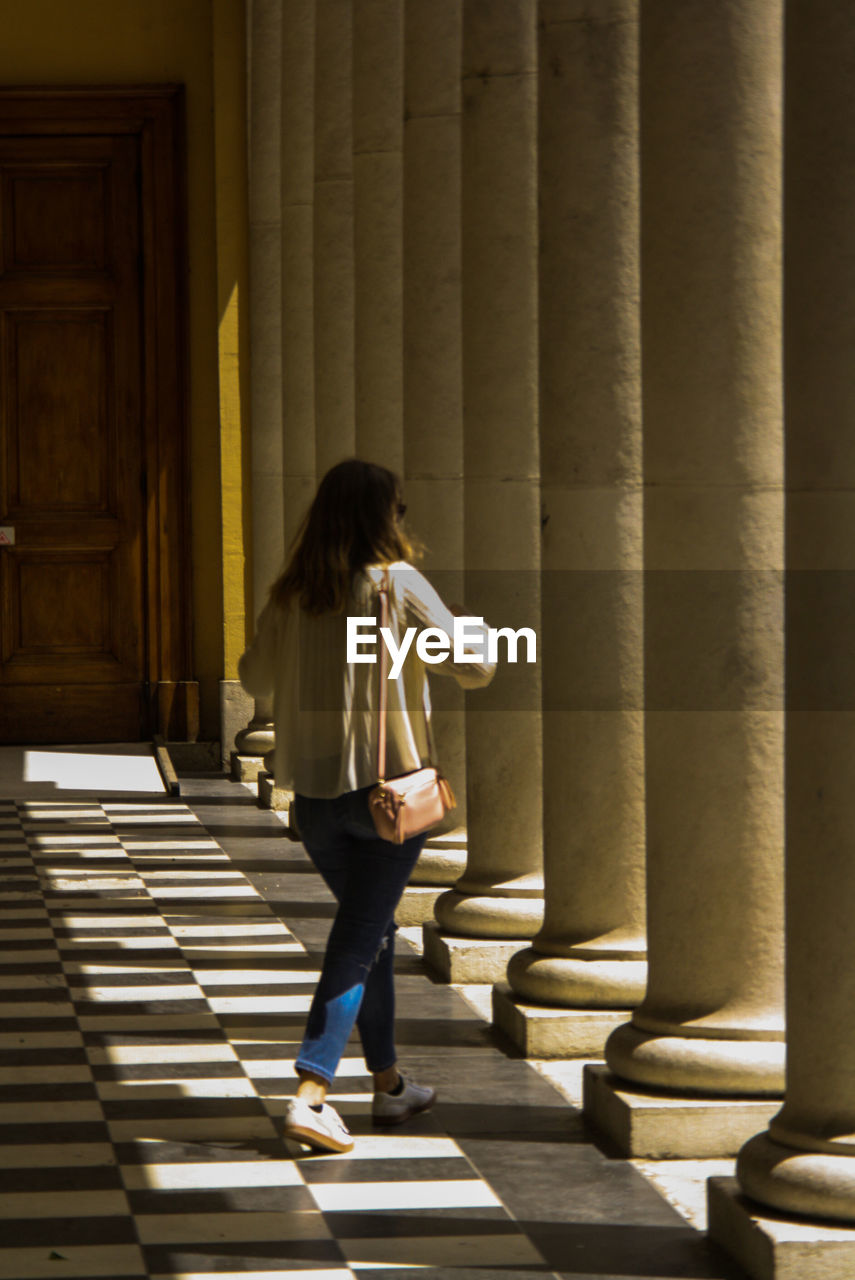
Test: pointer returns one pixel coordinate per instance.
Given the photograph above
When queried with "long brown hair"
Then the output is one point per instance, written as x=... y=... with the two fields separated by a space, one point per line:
x=352 y=522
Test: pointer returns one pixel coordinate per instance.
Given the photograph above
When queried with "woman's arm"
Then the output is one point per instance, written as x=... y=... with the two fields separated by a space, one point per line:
x=427 y=608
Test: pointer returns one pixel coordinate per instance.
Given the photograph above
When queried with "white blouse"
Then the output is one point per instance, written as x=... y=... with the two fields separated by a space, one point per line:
x=325 y=708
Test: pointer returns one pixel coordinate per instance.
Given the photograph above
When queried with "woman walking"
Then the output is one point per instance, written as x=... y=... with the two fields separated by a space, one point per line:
x=352 y=544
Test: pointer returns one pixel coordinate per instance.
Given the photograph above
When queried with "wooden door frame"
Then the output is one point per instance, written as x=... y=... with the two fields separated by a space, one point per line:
x=155 y=114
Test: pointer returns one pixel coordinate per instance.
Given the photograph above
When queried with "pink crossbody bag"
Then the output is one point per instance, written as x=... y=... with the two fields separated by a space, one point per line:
x=414 y=802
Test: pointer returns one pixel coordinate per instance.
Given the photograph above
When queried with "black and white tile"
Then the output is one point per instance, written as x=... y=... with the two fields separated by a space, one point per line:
x=151 y=1005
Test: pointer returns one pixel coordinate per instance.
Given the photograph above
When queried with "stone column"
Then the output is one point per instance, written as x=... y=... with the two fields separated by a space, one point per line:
x=588 y=961
x=298 y=310
x=712 y=1019
x=497 y=904
x=378 y=171
x=265 y=232
x=378 y=128
x=297 y=433
x=333 y=231
x=805 y=1163
x=433 y=382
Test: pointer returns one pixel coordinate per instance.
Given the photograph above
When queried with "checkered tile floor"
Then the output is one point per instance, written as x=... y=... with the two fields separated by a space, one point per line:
x=151 y=1002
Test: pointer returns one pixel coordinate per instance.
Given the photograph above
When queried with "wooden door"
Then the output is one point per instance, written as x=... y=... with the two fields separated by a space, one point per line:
x=83 y=534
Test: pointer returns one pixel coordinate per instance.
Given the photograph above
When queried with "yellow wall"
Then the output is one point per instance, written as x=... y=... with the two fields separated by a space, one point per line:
x=233 y=312
x=199 y=43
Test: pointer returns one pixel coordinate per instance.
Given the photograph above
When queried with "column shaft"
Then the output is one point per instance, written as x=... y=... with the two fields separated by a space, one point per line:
x=590 y=951
x=433 y=377
x=335 y=436
x=378 y=102
x=298 y=310
x=265 y=231
x=433 y=370
x=711 y=259
x=805 y=1164
x=499 y=895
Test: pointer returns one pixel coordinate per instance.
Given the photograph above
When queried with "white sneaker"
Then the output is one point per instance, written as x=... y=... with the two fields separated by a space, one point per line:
x=392 y=1108
x=323 y=1129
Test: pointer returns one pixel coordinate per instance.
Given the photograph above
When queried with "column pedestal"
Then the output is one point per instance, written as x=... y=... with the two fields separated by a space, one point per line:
x=645 y=1124
x=245 y=768
x=272 y=797
x=253 y=743
x=547 y=1031
x=479 y=929
x=567 y=1005
x=771 y=1247
x=457 y=959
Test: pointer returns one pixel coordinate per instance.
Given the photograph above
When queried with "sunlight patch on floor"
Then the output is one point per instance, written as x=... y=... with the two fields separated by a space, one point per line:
x=59 y=772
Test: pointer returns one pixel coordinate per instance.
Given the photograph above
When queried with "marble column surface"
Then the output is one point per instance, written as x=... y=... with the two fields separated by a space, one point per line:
x=712 y=1017
x=591 y=949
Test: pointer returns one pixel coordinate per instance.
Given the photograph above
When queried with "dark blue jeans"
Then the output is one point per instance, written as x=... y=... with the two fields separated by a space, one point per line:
x=367 y=876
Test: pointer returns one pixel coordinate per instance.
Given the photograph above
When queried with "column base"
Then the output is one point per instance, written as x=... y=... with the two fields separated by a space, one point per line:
x=750 y=1068
x=578 y=982
x=542 y=1031
x=772 y=1247
x=481 y=916
x=443 y=859
x=468 y=959
x=416 y=906
x=236 y=708
x=796 y=1180
x=246 y=768
x=272 y=797
x=662 y=1126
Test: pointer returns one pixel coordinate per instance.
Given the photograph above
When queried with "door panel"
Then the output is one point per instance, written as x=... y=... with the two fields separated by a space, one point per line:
x=34 y=238
x=63 y=606
x=73 y=622
x=56 y=411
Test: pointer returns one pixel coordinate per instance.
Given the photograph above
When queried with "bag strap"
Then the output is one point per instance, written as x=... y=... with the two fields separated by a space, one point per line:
x=384 y=663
